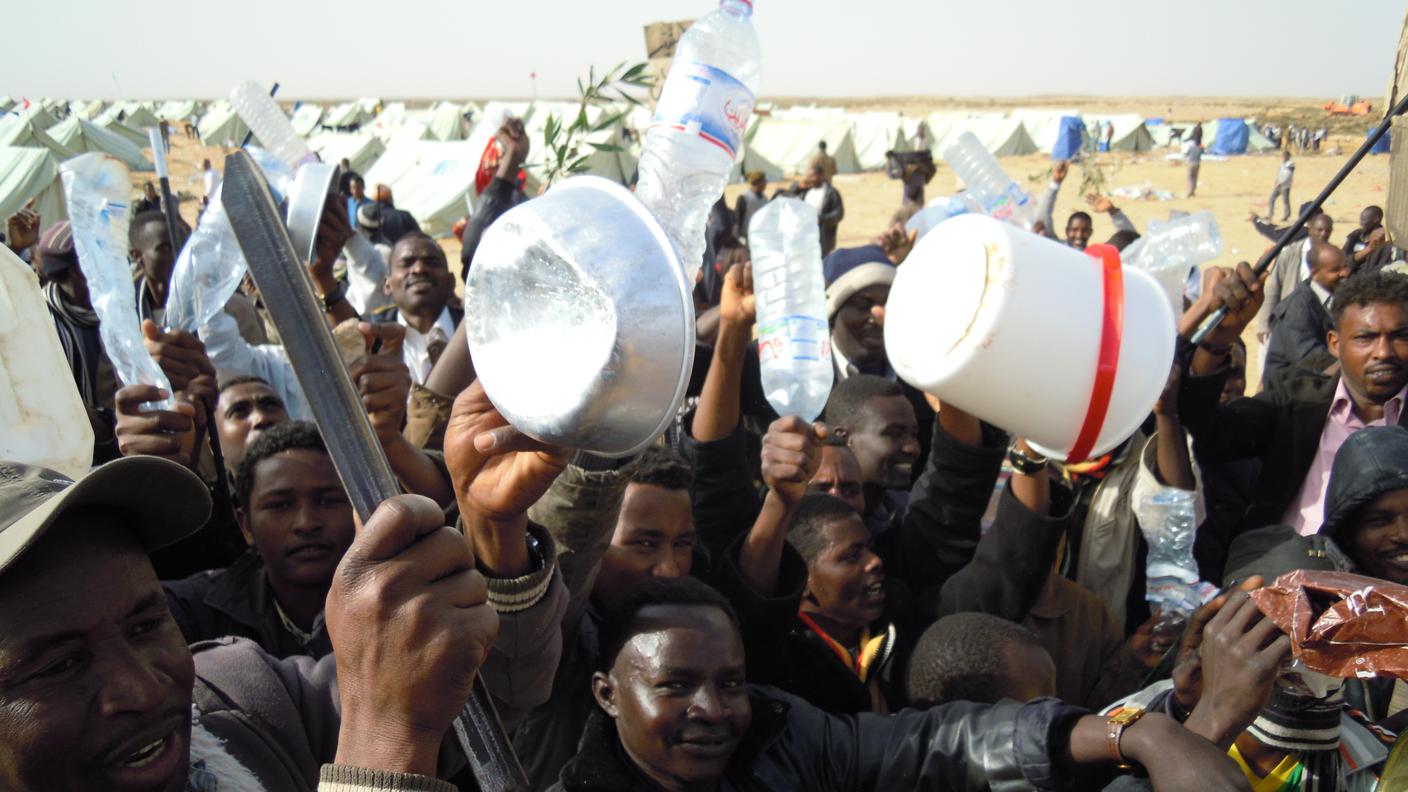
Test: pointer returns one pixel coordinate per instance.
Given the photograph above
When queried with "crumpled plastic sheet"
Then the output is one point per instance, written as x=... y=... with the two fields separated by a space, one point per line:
x=96 y=189
x=1340 y=624
x=211 y=265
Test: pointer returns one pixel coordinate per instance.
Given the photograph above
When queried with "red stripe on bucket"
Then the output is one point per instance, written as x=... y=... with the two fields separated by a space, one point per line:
x=1111 y=334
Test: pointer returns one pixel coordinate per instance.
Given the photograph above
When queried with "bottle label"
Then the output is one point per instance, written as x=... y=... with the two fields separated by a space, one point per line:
x=794 y=337
x=700 y=99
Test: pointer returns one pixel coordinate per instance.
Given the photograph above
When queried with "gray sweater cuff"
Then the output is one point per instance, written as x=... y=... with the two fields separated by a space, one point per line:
x=512 y=595
x=346 y=778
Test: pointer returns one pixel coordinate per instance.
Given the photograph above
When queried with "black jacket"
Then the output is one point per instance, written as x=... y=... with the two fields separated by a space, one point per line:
x=500 y=196
x=833 y=210
x=1299 y=325
x=394 y=225
x=237 y=601
x=791 y=745
x=1280 y=426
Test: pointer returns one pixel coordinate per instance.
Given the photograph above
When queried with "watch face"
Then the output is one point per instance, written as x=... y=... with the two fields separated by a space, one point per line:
x=1127 y=716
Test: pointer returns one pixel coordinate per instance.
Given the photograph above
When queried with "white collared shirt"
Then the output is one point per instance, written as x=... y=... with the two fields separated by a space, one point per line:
x=416 y=348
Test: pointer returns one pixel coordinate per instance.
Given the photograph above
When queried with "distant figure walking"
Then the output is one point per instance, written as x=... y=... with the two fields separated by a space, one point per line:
x=823 y=160
x=1282 y=189
x=1194 y=155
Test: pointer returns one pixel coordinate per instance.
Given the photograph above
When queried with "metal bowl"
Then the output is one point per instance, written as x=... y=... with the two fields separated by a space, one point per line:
x=306 y=199
x=579 y=319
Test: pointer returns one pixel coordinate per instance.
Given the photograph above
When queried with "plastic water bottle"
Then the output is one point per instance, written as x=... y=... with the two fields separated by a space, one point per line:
x=1169 y=251
x=985 y=180
x=268 y=122
x=1169 y=523
x=794 y=345
x=940 y=209
x=698 y=128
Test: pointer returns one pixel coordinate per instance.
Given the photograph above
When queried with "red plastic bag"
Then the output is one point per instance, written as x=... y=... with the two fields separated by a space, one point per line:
x=1340 y=624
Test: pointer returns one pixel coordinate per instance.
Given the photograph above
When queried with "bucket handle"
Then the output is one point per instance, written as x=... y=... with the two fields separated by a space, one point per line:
x=1111 y=335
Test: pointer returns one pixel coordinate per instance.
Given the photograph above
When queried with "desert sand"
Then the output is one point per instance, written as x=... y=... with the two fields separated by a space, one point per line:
x=1231 y=189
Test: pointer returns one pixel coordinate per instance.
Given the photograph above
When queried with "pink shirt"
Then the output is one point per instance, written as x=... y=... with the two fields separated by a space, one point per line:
x=1307 y=511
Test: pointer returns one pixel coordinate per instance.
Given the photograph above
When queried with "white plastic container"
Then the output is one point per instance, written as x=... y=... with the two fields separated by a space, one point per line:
x=1007 y=326
x=985 y=180
x=269 y=124
x=579 y=319
x=794 y=342
x=44 y=420
x=697 y=133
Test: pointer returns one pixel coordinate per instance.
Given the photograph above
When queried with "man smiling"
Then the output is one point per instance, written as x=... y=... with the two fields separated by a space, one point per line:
x=420 y=284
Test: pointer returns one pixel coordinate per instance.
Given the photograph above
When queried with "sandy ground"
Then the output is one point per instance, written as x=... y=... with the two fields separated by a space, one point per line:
x=1230 y=189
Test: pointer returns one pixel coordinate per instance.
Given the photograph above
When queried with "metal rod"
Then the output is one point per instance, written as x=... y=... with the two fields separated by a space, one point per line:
x=1266 y=260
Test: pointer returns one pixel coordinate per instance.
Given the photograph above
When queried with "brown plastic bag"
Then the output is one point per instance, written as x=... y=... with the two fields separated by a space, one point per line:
x=1341 y=625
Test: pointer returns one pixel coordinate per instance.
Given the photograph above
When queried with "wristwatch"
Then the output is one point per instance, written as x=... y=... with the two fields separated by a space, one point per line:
x=335 y=296
x=1026 y=465
x=1116 y=724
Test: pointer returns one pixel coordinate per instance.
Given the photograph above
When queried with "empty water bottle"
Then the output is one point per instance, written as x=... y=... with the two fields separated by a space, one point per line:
x=1168 y=520
x=1169 y=251
x=699 y=123
x=794 y=344
x=986 y=181
x=940 y=209
x=268 y=122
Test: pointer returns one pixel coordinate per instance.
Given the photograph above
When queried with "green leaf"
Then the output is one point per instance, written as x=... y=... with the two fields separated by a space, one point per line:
x=625 y=97
x=608 y=121
x=610 y=147
x=634 y=72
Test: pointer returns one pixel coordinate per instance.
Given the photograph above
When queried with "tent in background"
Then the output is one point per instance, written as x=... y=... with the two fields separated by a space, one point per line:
x=1000 y=135
x=349 y=116
x=306 y=118
x=1044 y=125
x=362 y=150
x=89 y=110
x=179 y=110
x=779 y=147
x=24 y=130
x=1070 y=138
x=1232 y=137
x=615 y=165
x=1257 y=143
x=82 y=136
x=108 y=120
x=876 y=133
x=27 y=173
x=1383 y=144
x=138 y=115
x=428 y=178
x=1130 y=132
x=222 y=126
x=447 y=121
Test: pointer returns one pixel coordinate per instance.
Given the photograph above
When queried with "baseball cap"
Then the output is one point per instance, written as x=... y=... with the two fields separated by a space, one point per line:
x=162 y=501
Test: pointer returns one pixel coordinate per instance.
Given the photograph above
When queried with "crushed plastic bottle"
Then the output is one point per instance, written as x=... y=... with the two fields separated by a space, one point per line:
x=1168 y=521
x=96 y=187
x=699 y=124
x=211 y=265
x=268 y=122
x=999 y=196
x=794 y=343
x=1171 y=250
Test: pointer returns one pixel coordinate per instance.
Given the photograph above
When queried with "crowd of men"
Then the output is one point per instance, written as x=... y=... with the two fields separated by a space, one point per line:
x=898 y=596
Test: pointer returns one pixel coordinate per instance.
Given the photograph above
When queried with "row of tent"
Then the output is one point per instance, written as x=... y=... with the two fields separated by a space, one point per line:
x=430 y=156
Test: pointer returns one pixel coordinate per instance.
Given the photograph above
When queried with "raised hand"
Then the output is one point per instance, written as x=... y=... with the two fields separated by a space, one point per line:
x=181 y=355
x=22 y=228
x=790 y=457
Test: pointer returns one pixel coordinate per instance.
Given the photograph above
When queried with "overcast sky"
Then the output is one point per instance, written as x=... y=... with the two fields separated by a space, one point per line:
x=471 y=48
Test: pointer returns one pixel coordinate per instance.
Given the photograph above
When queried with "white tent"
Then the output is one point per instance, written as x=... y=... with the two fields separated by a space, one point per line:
x=89 y=110
x=875 y=134
x=1004 y=137
x=108 y=120
x=1256 y=141
x=1043 y=124
x=6 y=103
x=430 y=179
x=808 y=112
x=779 y=147
x=138 y=115
x=179 y=110
x=82 y=136
x=25 y=130
x=1130 y=132
x=346 y=116
x=361 y=150
x=306 y=119
x=27 y=173
x=447 y=121
x=222 y=126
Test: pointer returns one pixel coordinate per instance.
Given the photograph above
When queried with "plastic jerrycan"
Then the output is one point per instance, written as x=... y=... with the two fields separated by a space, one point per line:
x=42 y=417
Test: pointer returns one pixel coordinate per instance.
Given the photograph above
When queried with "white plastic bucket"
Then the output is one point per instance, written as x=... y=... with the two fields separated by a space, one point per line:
x=579 y=319
x=1007 y=325
x=42 y=418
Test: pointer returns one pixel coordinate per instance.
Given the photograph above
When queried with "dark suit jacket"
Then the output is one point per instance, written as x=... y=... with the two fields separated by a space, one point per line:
x=1298 y=328
x=1281 y=426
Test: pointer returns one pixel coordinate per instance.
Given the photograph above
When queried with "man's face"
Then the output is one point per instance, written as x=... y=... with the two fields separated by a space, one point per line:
x=1030 y=672
x=758 y=185
x=838 y=475
x=359 y=190
x=149 y=190
x=885 y=441
x=298 y=517
x=242 y=413
x=846 y=580
x=1371 y=343
x=154 y=254
x=860 y=325
x=95 y=678
x=1380 y=538
x=678 y=694
x=1320 y=227
x=420 y=281
x=654 y=538
x=1332 y=268
x=1369 y=219
x=1078 y=232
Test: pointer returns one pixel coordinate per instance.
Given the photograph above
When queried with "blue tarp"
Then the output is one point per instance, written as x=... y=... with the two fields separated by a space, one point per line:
x=1382 y=144
x=1069 y=138
x=1232 y=137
